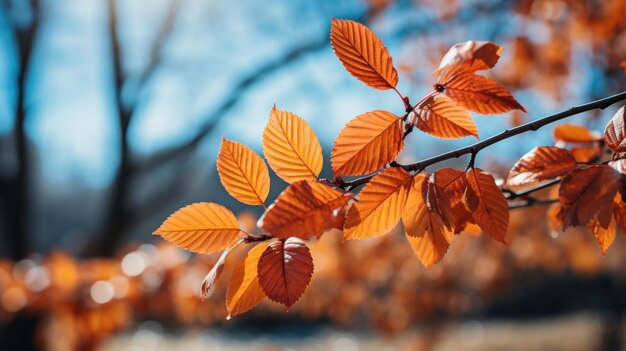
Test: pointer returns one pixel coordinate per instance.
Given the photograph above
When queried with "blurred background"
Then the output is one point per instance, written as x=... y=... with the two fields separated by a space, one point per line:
x=111 y=116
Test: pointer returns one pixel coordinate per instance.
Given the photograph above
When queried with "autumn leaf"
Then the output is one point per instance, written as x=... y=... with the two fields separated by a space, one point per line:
x=305 y=209
x=203 y=227
x=291 y=147
x=285 y=270
x=487 y=203
x=620 y=214
x=469 y=56
x=615 y=132
x=438 y=202
x=574 y=133
x=380 y=205
x=243 y=173
x=208 y=284
x=244 y=291
x=604 y=234
x=541 y=163
x=363 y=54
x=454 y=183
x=585 y=153
x=428 y=236
x=586 y=193
x=480 y=94
x=367 y=143
x=443 y=118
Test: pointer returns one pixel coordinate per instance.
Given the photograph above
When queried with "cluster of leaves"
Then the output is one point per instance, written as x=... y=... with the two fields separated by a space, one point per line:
x=432 y=207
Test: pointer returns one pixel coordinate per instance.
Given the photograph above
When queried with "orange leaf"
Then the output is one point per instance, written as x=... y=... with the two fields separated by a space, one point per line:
x=425 y=230
x=620 y=215
x=615 y=132
x=208 y=284
x=487 y=204
x=203 y=227
x=367 y=143
x=443 y=118
x=469 y=56
x=574 y=133
x=305 y=209
x=586 y=193
x=586 y=154
x=480 y=94
x=380 y=205
x=243 y=173
x=604 y=235
x=541 y=163
x=453 y=183
x=438 y=202
x=291 y=147
x=244 y=291
x=363 y=54
x=285 y=270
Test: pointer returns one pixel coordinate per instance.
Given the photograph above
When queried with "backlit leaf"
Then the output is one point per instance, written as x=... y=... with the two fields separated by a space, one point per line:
x=541 y=163
x=380 y=205
x=453 y=183
x=586 y=193
x=574 y=133
x=305 y=209
x=443 y=118
x=426 y=232
x=367 y=143
x=487 y=204
x=469 y=56
x=208 y=284
x=285 y=270
x=604 y=235
x=243 y=173
x=615 y=132
x=244 y=291
x=202 y=227
x=291 y=147
x=363 y=54
x=480 y=94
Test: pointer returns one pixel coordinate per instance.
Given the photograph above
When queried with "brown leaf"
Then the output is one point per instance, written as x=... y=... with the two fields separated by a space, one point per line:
x=480 y=94
x=586 y=193
x=367 y=143
x=305 y=209
x=443 y=118
x=208 y=284
x=469 y=56
x=586 y=153
x=541 y=163
x=615 y=132
x=291 y=147
x=425 y=230
x=604 y=235
x=453 y=183
x=243 y=173
x=363 y=54
x=203 y=227
x=380 y=205
x=244 y=291
x=438 y=202
x=620 y=214
x=574 y=133
x=487 y=203
x=285 y=270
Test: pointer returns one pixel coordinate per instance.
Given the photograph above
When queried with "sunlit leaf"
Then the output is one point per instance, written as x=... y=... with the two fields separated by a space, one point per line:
x=367 y=143
x=604 y=234
x=380 y=205
x=285 y=270
x=454 y=183
x=426 y=232
x=305 y=209
x=541 y=163
x=615 y=132
x=208 y=284
x=202 y=227
x=291 y=147
x=443 y=118
x=574 y=133
x=363 y=54
x=244 y=291
x=487 y=204
x=243 y=173
x=469 y=56
x=480 y=94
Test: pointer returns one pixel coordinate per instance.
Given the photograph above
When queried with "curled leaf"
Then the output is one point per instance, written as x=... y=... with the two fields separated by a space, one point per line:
x=208 y=284
x=615 y=132
x=291 y=147
x=203 y=227
x=363 y=54
x=470 y=56
x=285 y=269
